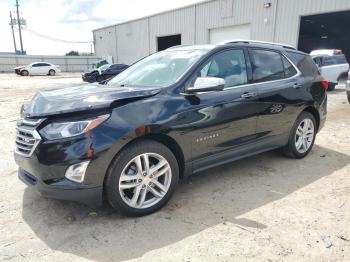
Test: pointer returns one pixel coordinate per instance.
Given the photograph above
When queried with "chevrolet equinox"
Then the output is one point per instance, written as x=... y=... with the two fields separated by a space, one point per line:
x=171 y=114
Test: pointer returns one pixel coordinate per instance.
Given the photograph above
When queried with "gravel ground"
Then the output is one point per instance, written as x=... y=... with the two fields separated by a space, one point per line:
x=264 y=208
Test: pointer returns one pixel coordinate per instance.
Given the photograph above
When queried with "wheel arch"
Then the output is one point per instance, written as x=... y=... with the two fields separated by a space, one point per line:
x=315 y=113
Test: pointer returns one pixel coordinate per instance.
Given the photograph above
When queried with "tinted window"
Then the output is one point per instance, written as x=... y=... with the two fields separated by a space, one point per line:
x=40 y=64
x=334 y=60
x=289 y=69
x=304 y=62
x=267 y=65
x=229 y=65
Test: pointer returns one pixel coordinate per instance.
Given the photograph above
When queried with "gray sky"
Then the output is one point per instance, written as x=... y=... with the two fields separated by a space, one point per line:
x=72 y=20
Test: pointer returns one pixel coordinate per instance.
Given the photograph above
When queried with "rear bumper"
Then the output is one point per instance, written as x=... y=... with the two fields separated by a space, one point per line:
x=63 y=190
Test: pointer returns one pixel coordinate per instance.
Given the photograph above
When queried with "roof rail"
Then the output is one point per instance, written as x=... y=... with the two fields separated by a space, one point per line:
x=233 y=41
x=176 y=46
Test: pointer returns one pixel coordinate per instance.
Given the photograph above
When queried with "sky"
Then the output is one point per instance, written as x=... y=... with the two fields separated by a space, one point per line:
x=71 y=20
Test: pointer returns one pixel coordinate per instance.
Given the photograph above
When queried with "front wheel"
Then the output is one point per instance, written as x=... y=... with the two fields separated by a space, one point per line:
x=302 y=136
x=24 y=73
x=142 y=178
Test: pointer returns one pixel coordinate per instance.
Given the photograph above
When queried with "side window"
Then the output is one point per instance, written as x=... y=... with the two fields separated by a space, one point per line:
x=289 y=69
x=329 y=60
x=267 y=65
x=36 y=65
x=229 y=65
x=45 y=64
x=304 y=62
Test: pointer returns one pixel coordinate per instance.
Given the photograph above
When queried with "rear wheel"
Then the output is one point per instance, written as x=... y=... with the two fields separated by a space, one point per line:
x=52 y=72
x=142 y=178
x=24 y=73
x=348 y=94
x=302 y=136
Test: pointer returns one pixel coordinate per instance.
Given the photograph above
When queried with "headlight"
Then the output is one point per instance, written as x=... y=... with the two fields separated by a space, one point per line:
x=69 y=129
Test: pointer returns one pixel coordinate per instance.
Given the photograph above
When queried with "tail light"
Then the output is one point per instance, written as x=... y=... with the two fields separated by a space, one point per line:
x=325 y=84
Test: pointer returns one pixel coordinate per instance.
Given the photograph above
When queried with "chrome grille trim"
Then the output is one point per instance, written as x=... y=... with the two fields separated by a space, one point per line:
x=27 y=138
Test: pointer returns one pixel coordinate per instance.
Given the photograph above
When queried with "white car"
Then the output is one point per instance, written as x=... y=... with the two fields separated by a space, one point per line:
x=38 y=68
x=332 y=64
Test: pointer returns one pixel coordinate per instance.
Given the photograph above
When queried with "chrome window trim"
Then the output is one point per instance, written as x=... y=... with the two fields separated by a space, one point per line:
x=260 y=83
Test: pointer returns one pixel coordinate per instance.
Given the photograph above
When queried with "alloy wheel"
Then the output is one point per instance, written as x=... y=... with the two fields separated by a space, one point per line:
x=145 y=180
x=304 y=135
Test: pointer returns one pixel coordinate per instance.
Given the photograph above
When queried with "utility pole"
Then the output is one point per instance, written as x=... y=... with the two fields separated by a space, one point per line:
x=13 y=33
x=19 y=27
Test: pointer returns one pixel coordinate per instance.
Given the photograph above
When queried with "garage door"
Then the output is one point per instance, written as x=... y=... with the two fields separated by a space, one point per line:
x=217 y=35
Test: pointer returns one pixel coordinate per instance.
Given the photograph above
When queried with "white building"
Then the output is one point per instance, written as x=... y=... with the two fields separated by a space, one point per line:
x=306 y=24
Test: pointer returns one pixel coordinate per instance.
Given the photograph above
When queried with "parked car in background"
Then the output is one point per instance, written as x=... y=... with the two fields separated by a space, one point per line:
x=92 y=74
x=38 y=68
x=112 y=71
x=332 y=64
x=103 y=73
x=347 y=87
x=173 y=113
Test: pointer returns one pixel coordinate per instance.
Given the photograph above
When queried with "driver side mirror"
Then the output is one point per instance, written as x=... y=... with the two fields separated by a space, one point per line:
x=207 y=84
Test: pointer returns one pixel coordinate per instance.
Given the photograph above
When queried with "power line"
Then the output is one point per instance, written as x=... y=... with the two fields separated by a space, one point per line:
x=55 y=39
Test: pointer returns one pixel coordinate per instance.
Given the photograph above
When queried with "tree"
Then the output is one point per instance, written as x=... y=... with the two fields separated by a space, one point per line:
x=71 y=53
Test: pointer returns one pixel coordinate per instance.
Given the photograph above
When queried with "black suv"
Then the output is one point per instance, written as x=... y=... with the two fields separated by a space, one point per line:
x=174 y=113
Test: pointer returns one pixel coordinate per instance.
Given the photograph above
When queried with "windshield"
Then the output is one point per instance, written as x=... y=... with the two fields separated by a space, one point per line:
x=158 y=70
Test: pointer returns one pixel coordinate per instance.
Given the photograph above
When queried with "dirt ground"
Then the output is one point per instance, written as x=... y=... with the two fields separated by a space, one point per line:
x=264 y=208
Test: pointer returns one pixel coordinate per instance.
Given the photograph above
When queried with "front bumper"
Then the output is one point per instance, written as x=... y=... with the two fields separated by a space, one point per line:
x=63 y=190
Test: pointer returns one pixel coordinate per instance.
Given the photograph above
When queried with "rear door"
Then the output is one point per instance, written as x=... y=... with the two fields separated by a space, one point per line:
x=224 y=121
x=44 y=68
x=280 y=90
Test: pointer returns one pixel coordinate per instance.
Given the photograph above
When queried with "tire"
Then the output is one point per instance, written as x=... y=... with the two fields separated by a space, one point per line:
x=99 y=78
x=52 y=72
x=331 y=86
x=294 y=148
x=24 y=73
x=123 y=173
x=348 y=95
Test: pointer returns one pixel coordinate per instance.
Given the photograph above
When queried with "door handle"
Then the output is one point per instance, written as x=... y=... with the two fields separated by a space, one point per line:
x=248 y=95
x=297 y=86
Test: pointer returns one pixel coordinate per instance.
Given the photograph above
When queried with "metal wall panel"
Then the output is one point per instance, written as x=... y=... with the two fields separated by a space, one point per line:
x=175 y=22
x=132 y=41
x=105 y=42
x=278 y=23
x=289 y=13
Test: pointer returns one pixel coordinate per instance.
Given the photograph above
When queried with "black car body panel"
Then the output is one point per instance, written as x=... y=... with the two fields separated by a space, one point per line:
x=203 y=130
x=71 y=99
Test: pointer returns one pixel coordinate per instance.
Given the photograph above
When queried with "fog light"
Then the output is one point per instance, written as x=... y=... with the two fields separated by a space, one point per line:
x=76 y=172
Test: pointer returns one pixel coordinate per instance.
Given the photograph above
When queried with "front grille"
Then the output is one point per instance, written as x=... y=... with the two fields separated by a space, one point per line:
x=27 y=138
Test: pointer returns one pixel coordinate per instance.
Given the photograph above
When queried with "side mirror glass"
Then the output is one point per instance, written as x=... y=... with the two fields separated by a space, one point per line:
x=207 y=84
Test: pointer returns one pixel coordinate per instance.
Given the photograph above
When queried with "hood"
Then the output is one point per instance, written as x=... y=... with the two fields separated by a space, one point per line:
x=86 y=97
x=19 y=67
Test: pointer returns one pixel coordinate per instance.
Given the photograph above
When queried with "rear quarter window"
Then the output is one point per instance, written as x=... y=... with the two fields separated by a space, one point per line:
x=304 y=63
x=334 y=60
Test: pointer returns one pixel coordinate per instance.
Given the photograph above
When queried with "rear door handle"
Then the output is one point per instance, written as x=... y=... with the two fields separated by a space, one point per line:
x=249 y=95
x=297 y=86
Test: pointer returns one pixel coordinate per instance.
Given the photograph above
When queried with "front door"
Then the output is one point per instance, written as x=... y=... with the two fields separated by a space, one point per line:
x=224 y=121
